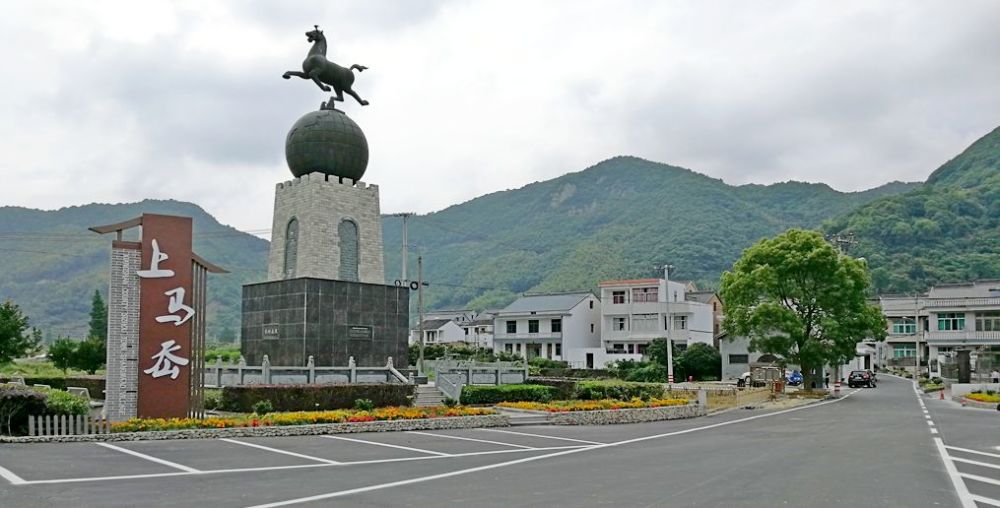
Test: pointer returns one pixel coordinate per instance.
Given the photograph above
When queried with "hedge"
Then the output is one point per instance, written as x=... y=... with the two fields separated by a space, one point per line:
x=565 y=388
x=93 y=384
x=302 y=397
x=620 y=390
x=18 y=402
x=474 y=394
x=577 y=373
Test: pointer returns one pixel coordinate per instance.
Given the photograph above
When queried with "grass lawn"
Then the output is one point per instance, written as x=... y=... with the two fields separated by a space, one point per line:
x=40 y=368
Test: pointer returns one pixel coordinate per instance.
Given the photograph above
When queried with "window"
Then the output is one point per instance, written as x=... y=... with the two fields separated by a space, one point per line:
x=548 y=351
x=903 y=327
x=631 y=349
x=591 y=327
x=949 y=321
x=349 y=250
x=508 y=348
x=641 y=348
x=291 y=247
x=739 y=359
x=556 y=325
x=619 y=323
x=518 y=348
x=466 y=332
x=988 y=321
x=558 y=349
x=591 y=304
x=617 y=297
x=432 y=336
x=680 y=322
x=644 y=322
x=532 y=326
x=904 y=350
x=511 y=326
x=618 y=348
x=645 y=294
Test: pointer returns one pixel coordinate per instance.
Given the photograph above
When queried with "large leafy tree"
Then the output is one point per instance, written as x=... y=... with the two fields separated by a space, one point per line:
x=98 y=317
x=62 y=353
x=15 y=338
x=796 y=296
x=89 y=356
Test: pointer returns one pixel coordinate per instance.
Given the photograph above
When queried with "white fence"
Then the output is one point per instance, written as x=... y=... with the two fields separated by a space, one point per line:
x=66 y=425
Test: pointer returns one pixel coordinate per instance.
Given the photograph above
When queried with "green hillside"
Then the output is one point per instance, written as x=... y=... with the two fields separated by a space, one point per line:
x=615 y=219
x=947 y=230
x=50 y=264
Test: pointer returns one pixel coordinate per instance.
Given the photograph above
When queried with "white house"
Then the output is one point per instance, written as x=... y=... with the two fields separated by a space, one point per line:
x=479 y=330
x=438 y=331
x=553 y=326
x=636 y=311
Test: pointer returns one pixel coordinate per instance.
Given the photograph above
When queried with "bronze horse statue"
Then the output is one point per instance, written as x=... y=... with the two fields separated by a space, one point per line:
x=324 y=72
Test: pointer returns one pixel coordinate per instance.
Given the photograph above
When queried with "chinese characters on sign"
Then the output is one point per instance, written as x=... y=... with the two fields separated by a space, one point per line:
x=167 y=363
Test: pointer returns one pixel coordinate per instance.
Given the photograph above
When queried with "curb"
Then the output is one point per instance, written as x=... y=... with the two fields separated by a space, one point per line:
x=455 y=422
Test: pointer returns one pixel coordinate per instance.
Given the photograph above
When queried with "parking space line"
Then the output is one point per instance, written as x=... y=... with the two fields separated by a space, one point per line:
x=9 y=475
x=975 y=462
x=376 y=443
x=985 y=500
x=149 y=458
x=543 y=435
x=471 y=439
x=276 y=450
x=977 y=452
x=978 y=478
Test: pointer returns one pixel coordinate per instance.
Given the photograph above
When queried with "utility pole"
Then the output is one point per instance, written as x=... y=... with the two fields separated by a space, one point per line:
x=670 y=323
x=420 y=310
x=406 y=244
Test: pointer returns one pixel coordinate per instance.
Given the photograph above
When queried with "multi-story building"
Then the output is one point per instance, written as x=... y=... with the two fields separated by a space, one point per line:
x=634 y=312
x=710 y=298
x=479 y=329
x=948 y=318
x=553 y=326
x=438 y=331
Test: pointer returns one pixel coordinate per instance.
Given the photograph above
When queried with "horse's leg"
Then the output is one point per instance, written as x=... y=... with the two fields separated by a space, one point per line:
x=356 y=97
x=314 y=75
x=297 y=74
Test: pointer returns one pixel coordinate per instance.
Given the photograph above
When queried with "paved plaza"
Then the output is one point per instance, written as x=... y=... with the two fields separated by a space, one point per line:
x=873 y=447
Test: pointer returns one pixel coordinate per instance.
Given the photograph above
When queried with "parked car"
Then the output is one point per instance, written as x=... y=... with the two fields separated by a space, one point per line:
x=860 y=378
x=793 y=378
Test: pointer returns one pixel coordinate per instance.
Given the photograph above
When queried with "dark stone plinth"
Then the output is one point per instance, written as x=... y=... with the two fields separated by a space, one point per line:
x=332 y=320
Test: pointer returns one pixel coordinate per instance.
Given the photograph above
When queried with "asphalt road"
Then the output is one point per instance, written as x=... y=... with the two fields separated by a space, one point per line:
x=874 y=447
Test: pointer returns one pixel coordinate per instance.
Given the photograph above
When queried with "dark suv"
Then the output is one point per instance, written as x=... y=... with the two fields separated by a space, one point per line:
x=861 y=378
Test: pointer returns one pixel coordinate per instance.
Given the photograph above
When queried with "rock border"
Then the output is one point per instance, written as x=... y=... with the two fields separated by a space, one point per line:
x=453 y=422
x=977 y=404
x=620 y=416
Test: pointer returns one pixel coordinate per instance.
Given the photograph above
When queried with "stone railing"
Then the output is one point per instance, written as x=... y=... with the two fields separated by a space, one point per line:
x=219 y=374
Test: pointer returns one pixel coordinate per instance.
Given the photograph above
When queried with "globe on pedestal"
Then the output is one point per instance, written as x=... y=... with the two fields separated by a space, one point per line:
x=328 y=142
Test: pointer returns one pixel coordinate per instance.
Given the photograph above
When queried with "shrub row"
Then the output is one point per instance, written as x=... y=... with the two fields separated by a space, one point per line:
x=313 y=397
x=94 y=384
x=576 y=373
x=603 y=389
x=507 y=393
x=18 y=402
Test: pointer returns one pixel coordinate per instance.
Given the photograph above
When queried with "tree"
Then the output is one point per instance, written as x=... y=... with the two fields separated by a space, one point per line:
x=699 y=360
x=98 y=318
x=796 y=296
x=15 y=340
x=90 y=355
x=62 y=353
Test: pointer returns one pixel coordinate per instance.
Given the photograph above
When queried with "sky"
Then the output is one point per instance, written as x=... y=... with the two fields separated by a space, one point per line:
x=113 y=102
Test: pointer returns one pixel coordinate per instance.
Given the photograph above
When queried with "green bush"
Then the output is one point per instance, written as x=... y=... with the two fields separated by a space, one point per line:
x=65 y=403
x=16 y=403
x=262 y=407
x=450 y=402
x=93 y=384
x=620 y=390
x=545 y=363
x=212 y=398
x=313 y=397
x=364 y=404
x=565 y=388
x=507 y=393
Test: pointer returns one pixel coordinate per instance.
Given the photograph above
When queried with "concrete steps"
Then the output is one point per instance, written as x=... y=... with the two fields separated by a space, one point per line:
x=428 y=395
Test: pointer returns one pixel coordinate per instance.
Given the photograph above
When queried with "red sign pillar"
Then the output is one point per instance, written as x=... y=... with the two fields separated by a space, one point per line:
x=165 y=317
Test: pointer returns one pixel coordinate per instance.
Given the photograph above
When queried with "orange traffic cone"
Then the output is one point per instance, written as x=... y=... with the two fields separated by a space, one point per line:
x=941 y=394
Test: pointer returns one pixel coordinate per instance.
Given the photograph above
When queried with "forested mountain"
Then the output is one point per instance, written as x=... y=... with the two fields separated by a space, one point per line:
x=616 y=219
x=50 y=264
x=947 y=230
x=613 y=220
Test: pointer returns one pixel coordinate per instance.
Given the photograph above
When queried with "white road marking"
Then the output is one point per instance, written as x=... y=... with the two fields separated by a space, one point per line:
x=933 y=430
x=470 y=439
x=279 y=468
x=985 y=500
x=9 y=475
x=966 y=450
x=930 y=423
x=978 y=478
x=927 y=417
x=376 y=443
x=488 y=467
x=960 y=489
x=543 y=435
x=276 y=450
x=149 y=458
x=975 y=462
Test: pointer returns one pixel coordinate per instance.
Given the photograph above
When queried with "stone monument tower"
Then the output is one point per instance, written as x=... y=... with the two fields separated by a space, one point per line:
x=325 y=294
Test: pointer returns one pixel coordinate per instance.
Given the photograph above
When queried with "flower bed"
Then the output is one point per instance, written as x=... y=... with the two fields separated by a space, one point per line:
x=563 y=406
x=984 y=397
x=297 y=418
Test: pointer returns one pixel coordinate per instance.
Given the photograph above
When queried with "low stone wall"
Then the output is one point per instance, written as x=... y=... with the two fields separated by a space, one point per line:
x=975 y=403
x=616 y=416
x=458 y=422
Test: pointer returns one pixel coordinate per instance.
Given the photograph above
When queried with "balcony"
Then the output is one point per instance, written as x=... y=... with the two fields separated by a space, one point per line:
x=528 y=336
x=962 y=337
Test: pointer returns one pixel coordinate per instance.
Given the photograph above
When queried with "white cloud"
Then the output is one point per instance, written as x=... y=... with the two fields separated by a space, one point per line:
x=123 y=101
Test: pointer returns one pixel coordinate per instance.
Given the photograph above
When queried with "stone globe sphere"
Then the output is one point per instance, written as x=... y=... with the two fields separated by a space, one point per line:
x=329 y=142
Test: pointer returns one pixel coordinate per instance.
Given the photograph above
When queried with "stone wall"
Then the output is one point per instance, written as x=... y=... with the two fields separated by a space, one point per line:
x=320 y=203
x=616 y=416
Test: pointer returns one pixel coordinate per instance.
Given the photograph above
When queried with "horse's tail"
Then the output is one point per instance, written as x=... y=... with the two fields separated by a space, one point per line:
x=358 y=67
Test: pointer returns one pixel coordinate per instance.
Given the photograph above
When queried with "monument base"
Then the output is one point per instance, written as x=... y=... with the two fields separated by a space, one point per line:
x=331 y=320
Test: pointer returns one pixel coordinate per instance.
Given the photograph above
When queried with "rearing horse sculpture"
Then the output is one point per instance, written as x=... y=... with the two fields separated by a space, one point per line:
x=324 y=72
